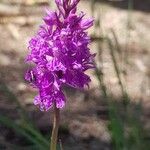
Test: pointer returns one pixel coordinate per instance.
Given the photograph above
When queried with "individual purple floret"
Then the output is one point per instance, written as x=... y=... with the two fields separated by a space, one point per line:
x=60 y=53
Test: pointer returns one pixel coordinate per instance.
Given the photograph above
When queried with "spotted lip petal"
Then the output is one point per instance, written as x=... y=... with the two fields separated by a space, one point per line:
x=60 y=53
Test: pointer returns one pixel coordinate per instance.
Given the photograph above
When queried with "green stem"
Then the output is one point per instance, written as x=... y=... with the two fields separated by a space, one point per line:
x=55 y=128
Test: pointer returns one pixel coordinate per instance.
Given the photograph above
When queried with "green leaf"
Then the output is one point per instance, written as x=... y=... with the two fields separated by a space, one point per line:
x=116 y=128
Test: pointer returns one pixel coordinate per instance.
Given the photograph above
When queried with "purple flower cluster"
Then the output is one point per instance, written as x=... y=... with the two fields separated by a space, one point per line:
x=60 y=53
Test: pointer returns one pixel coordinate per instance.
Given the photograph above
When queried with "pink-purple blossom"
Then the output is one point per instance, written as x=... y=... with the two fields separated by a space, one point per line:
x=60 y=53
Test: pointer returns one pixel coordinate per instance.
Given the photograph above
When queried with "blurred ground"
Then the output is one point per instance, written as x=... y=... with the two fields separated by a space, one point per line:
x=85 y=117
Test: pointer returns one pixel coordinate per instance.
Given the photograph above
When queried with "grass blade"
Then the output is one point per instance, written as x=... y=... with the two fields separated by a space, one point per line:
x=126 y=98
x=21 y=130
x=11 y=96
x=116 y=127
x=26 y=123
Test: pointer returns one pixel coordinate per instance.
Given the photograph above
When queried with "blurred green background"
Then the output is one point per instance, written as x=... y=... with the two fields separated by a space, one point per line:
x=113 y=114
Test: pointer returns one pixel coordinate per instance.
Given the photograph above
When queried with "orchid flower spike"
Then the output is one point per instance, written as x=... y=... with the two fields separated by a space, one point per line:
x=60 y=53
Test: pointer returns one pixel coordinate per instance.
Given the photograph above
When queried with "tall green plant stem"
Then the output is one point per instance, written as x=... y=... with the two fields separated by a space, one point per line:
x=55 y=128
